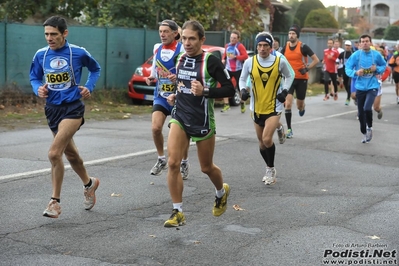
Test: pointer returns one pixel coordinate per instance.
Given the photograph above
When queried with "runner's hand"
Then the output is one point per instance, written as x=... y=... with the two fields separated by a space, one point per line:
x=281 y=96
x=42 y=92
x=84 y=92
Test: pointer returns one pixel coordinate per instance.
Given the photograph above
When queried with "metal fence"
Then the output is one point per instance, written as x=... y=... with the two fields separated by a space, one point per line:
x=118 y=50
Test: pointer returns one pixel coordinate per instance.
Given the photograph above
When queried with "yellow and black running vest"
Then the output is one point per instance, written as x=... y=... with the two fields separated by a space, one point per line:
x=265 y=84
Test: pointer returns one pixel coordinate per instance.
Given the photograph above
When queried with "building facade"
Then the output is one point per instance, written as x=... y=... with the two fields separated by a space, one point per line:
x=379 y=13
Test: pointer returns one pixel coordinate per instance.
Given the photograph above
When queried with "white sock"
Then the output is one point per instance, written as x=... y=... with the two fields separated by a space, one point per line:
x=280 y=128
x=163 y=157
x=220 y=193
x=178 y=206
x=184 y=161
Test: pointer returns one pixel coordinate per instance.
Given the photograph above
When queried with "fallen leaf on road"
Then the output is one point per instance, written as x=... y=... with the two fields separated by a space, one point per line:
x=374 y=237
x=197 y=242
x=238 y=208
x=152 y=236
x=115 y=195
x=151 y=183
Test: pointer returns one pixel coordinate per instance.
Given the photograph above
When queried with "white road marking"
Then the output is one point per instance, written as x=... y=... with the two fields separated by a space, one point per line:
x=92 y=162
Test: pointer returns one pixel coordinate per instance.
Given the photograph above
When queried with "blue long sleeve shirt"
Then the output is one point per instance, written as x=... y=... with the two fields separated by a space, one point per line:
x=61 y=69
x=364 y=60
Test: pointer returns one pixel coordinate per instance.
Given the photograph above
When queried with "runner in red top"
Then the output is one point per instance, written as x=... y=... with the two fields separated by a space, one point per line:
x=329 y=61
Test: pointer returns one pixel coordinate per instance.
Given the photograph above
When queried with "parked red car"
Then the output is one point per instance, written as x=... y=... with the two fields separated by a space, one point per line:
x=139 y=91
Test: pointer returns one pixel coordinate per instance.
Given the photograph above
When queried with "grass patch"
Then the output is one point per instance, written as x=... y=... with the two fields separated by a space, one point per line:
x=315 y=89
x=108 y=104
x=19 y=109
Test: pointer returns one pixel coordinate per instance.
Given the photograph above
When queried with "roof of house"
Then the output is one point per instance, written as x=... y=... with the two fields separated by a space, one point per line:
x=323 y=30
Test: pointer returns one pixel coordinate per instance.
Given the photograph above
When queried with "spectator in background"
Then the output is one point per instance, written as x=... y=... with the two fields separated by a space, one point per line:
x=234 y=56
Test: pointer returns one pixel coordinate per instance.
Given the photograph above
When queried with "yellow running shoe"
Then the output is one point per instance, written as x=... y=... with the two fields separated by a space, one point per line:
x=243 y=108
x=220 y=205
x=177 y=218
x=225 y=108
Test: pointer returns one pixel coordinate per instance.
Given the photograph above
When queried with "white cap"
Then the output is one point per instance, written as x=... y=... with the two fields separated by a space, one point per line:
x=348 y=43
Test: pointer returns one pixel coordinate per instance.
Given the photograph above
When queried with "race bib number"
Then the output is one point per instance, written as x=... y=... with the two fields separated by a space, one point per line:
x=58 y=81
x=367 y=73
x=58 y=78
x=166 y=87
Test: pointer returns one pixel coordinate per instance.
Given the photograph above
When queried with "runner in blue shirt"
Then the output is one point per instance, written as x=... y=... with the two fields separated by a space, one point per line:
x=55 y=75
x=365 y=65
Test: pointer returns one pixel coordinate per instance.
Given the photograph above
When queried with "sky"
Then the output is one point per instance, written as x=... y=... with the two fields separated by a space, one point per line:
x=344 y=3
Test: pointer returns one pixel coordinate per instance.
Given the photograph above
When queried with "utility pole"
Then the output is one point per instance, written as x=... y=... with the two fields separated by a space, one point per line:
x=336 y=11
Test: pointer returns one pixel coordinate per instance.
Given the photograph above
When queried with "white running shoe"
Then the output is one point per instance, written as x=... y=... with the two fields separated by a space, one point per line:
x=270 y=176
x=281 y=134
x=369 y=134
x=184 y=167
x=159 y=167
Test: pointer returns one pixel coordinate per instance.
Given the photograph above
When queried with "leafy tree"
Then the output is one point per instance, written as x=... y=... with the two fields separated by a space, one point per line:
x=304 y=8
x=133 y=13
x=282 y=22
x=120 y=13
x=379 y=33
x=294 y=4
x=242 y=15
x=20 y=10
x=362 y=26
x=392 y=33
x=182 y=10
x=342 y=21
x=213 y=14
x=352 y=34
x=320 y=18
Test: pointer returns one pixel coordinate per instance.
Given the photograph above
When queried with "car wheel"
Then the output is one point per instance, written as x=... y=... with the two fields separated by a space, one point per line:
x=236 y=99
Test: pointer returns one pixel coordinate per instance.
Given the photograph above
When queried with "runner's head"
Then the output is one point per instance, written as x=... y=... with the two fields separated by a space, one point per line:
x=168 y=31
x=234 y=37
x=193 y=37
x=55 y=32
x=293 y=33
x=264 y=43
x=366 y=42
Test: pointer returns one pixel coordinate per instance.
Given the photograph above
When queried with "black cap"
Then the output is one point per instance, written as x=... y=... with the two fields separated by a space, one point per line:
x=296 y=29
x=172 y=25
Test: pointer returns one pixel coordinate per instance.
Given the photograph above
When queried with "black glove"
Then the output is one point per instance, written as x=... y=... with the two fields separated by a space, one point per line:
x=303 y=70
x=281 y=96
x=244 y=94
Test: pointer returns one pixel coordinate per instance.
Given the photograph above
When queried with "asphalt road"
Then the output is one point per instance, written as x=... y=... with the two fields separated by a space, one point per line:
x=335 y=200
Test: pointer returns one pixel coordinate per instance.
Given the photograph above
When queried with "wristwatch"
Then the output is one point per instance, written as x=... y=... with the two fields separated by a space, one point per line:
x=205 y=92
